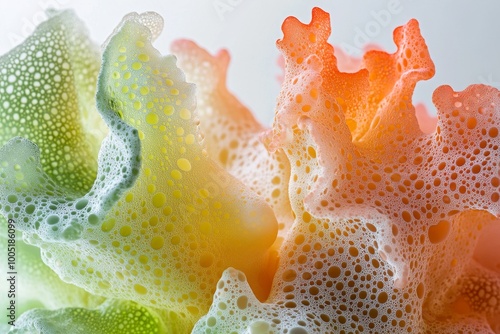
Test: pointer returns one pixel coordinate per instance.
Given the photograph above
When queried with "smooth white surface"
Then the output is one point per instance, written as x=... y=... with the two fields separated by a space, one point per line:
x=462 y=36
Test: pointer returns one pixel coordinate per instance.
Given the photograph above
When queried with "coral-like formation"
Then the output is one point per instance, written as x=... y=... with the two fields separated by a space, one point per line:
x=356 y=212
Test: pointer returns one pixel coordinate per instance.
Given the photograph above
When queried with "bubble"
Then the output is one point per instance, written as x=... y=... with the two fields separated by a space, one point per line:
x=184 y=164
x=159 y=200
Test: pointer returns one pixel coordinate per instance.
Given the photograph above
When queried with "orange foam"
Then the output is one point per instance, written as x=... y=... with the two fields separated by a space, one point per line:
x=388 y=206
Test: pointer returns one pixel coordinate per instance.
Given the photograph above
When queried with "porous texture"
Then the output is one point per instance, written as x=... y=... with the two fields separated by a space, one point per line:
x=47 y=95
x=112 y=317
x=387 y=218
x=385 y=228
x=162 y=220
x=37 y=285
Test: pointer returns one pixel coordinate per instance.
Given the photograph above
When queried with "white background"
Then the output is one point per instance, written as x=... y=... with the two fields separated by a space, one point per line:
x=463 y=36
